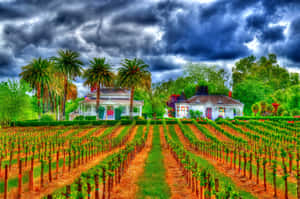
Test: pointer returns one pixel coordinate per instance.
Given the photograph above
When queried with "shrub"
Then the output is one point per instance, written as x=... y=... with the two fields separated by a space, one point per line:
x=47 y=118
x=90 y=117
x=80 y=117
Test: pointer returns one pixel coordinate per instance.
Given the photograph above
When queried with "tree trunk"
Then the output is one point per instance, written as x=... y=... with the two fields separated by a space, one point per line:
x=38 y=99
x=65 y=98
x=98 y=100
x=131 y=102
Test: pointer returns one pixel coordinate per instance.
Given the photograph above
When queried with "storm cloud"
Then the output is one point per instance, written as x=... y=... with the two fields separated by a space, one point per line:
x=160 y=32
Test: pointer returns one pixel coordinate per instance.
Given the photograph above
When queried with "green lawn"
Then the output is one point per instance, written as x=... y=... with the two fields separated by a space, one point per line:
x=152 y=183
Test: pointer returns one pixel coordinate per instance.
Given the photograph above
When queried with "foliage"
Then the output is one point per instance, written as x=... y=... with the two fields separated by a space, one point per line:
x=15 y=104
x=249 y=92
x=67 y=63
x=72 y=105
x=47 y=118
x=134 y=74
x=260 y=79
x=98 y=74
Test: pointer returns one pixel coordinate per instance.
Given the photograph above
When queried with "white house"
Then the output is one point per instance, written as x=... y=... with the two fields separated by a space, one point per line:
x=110 y=98
x=211 y=106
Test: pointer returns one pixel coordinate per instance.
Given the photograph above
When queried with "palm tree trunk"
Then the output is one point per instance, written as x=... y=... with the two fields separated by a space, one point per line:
x=65 y=98
x=55 y=107
x=98 y=100
x=51 y=102
x=131 y=102
x=38 y=99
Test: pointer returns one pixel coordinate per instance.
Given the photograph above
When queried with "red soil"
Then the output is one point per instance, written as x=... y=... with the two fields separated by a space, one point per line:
x=216 y=133
x=64 y=178
x=128 y=186
x=198 y=133
x=174 y=176
x=242 y=182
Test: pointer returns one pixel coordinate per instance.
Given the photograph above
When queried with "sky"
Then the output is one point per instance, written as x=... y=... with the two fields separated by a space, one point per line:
x=166 y=34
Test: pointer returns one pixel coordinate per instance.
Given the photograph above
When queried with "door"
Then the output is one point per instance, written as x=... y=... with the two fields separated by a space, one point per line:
x=110 y=113
x=208 y=113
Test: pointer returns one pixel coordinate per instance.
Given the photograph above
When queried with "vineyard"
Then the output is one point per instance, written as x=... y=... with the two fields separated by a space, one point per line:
x=152 y=159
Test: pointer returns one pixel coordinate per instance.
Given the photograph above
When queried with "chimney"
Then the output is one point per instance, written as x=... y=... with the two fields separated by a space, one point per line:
x=202 y=90
x=229 y=94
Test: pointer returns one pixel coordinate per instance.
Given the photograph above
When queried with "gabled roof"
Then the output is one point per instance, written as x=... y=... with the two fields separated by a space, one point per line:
x=213 y=99
x=111 y=92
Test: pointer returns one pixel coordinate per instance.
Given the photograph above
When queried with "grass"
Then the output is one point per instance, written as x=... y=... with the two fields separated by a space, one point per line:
x=152 y=183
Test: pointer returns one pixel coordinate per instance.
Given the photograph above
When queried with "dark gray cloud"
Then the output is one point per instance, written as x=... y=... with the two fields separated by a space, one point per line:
x=153 y=30
x=11 y=12
x=160 y=63
x=6 y=63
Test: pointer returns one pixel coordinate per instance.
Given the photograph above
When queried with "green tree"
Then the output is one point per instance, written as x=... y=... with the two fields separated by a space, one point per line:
x=36 y=74
x=68 y=63
x=99 y=73
x=250 y=92
x=15 y=103
x=255 y=108
x=134 y=74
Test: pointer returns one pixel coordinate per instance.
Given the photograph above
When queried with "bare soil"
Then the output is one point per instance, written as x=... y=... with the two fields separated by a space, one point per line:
x=242 y=182
x=174 y=176
x=128 y=187
x=198 y=133
x=64 y=178
x=216 y=133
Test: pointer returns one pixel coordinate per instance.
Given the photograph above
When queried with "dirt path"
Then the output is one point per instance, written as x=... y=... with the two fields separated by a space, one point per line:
x=234 y=132
x=64 y=178
x=128 y=187
x=240 y=181
x=198 y=133
x=99 y=132
x=174 y=176
x=117 y=132
x=216 y=133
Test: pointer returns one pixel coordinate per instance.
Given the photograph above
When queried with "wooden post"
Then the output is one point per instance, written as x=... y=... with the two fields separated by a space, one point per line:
x=89 y=189
x=96 y=186
x=5 y=181
x=20 y=180
x=80 y=189
x=68 y=191
x=31 y=175
x=104 y=178
x=42 y=173
x=50 y=170
x=64 y=163
x=57 y=164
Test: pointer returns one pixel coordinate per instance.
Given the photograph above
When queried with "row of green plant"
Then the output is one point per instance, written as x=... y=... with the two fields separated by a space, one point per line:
x=272 y=118
x=240 y=157
x=107 y=171
x=199 y=171
x=77 y=152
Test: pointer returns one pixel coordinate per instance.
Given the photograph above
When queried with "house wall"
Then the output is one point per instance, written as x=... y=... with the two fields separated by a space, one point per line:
x=228 y=113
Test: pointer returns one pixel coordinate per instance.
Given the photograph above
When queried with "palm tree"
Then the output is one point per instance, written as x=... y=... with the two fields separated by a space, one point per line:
x=36 y=73
x=68 y=63
x=134 y=74
x=98 y=74
x=255 y=108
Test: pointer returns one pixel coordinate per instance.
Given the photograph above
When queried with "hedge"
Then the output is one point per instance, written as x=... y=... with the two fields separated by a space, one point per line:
x=274 y=118
x=69 y=123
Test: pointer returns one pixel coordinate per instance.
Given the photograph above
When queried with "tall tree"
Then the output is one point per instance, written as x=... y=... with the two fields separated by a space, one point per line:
x=68 y=63
x=36 y=73
x=134 y=74
x=99 y=73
